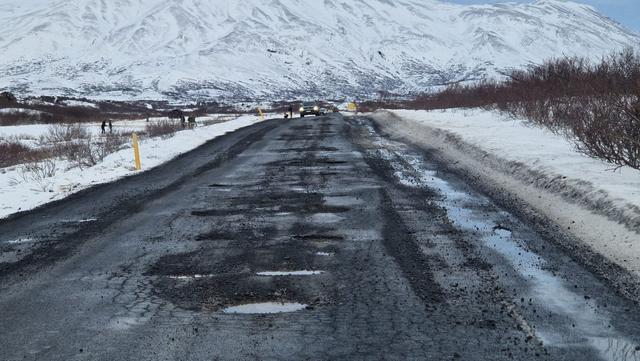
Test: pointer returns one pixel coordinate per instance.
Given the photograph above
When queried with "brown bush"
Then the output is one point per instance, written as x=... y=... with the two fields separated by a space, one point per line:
x=88 y=151
x=77 y=145
x=163 y=128
x=597 y=106
x=13 y=152
x=18 y=118
x=39 y=170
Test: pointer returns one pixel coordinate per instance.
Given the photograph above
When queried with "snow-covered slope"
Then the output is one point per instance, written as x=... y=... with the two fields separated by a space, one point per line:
x=282 y=48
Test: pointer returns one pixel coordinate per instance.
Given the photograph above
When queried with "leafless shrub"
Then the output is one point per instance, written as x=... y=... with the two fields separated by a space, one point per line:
x=40 y=171
x=163 y=128
x=597 y=106
x=89 y=151
x=77 y=145
x=62 y=133
x=12 y=152
x=21 y=118
x=217 y=119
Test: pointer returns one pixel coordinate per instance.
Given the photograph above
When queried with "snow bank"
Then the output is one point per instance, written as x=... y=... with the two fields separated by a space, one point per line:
x=18 y=194
x=539 y=150
x=590 y=211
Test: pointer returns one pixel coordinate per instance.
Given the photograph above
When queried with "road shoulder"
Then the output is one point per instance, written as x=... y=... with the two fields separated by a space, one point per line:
x=604 y=244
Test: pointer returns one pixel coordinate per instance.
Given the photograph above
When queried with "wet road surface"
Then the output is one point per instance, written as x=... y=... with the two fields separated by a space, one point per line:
x=308 y=239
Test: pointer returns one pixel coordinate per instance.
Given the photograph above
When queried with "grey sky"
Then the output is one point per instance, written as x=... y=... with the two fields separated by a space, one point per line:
x=626 y=12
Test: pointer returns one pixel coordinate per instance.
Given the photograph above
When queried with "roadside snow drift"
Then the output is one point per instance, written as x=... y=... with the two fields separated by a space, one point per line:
x=515 y=140
x=592 y=208
x=20 y=192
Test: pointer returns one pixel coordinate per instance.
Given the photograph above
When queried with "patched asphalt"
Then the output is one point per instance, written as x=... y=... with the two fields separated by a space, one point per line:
x=331 y=240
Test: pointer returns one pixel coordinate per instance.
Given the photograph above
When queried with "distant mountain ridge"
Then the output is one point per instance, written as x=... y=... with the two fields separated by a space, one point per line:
x=191 y=49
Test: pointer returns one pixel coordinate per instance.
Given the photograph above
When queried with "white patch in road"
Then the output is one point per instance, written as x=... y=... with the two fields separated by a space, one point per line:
x=326 y=218
x=289 y=273
x=325 y=254
x=190 y=277
x=124 y=323
x=21 y=241
x=266 y=308
x=84 y=220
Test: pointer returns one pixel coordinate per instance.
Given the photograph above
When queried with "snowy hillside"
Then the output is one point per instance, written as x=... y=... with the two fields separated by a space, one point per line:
x=283 y=48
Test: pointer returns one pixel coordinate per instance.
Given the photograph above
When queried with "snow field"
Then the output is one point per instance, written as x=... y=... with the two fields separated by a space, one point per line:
x=20 y=192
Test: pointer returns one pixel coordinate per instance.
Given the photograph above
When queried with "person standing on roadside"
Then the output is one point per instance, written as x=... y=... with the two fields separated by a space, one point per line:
x=290 y=111
x=110 y=126
x=104 y=126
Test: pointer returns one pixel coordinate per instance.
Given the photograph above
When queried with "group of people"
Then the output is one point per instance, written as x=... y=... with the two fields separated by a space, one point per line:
x=104 y=126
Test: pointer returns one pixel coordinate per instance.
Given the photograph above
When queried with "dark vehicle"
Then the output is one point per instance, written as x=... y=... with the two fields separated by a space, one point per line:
x=176 y=114
x=309 y=108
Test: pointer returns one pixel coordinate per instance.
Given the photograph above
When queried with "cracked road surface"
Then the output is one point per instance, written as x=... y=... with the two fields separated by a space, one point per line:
x=308 y=239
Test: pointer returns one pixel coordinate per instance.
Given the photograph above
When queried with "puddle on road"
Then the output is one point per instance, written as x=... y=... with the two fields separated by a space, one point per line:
x=587 y=326
x=289 y=273
x=266 y=308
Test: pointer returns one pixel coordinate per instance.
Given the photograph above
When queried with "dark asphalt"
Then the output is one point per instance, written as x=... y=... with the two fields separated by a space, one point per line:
x=413 y=262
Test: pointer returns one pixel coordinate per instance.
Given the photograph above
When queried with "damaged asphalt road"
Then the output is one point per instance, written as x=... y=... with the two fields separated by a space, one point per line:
x=307 y=239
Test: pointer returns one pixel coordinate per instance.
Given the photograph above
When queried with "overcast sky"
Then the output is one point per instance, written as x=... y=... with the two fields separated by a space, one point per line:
x=626 y=12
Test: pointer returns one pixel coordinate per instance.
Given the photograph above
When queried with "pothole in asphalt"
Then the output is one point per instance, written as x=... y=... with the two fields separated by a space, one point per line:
x=308 y=150
x=266 y=308
x=220 y=185
x=319 y=237
x=306 y=162
x=332 y=161
x=289 y=273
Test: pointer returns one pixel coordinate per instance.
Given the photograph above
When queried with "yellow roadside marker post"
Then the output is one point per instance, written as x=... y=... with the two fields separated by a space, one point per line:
x=136 y=150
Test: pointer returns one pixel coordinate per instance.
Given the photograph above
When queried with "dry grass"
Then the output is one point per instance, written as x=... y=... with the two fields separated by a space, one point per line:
x=164 y=128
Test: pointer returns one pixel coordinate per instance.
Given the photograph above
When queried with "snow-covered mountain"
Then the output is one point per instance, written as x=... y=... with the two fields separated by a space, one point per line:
x=282 y=48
